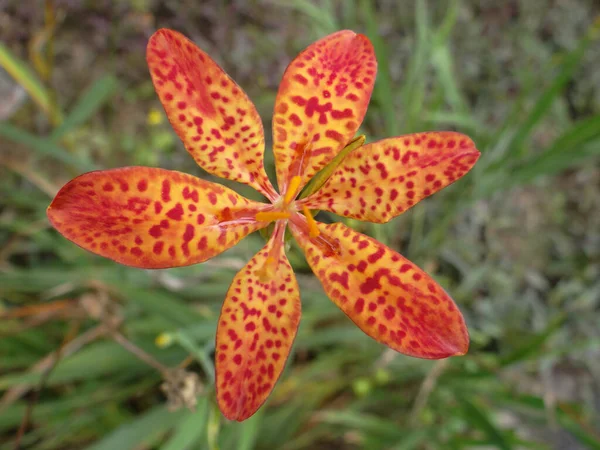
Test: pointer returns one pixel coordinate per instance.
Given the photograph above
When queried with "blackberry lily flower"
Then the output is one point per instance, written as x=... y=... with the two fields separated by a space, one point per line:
x=154 y=218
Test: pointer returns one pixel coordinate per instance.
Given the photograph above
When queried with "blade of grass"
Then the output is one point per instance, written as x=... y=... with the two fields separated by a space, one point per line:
x=30 y=82
x=570 y=62
x=322 y=19
x=383 y=85
x=566 y=415
x=147 y=429
x=161 y=303
x=200 y=354
x=320 y=178
x=87 y=105
x=577 y=144
x=249 y=431
x=191 y=429
x=536 y=343
x=413 y=91
x=441 y=59
x=478 y=418
x=44 y=147
x=365 y=423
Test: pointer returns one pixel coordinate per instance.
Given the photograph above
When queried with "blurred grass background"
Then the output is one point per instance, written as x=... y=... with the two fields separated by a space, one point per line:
x=516 y=242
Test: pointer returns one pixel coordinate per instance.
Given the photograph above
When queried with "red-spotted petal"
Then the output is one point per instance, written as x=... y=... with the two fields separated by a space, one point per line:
x=151 y=218
x=256 y=330
x=387 y=296
x=212 y=115
x=381 y=180
x=321 y=102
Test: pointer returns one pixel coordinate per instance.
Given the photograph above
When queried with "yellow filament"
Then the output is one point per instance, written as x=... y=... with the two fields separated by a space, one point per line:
x=313 y=231
x=270 y=216
x=266 y=273
x=292 y=189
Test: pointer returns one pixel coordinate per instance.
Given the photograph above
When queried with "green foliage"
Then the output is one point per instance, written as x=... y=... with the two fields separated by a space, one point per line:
x=515 y=242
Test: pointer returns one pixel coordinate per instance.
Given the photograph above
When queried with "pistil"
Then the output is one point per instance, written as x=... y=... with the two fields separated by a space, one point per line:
x=271 y=216
x=292 y=190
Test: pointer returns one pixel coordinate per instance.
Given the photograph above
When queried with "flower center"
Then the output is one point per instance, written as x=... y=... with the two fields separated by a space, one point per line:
x=282 y=208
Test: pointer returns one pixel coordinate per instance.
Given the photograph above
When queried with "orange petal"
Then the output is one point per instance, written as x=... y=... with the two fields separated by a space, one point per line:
x=151 y=218
x=321 y=102
x=381 y=180
x=387 y=296
x=256 y=330
x=212 y=115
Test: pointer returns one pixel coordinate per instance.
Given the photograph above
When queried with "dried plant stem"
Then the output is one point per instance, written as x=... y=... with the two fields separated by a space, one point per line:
x=426 y=389
x=57 y=355
x=13 y=394
x=139 y=353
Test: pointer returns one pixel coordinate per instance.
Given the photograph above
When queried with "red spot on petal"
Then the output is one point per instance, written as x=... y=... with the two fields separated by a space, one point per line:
x=212 y=198
x=175 y=213
x=158 y=247
x=166 y=191
x=359 y=305
x=189 y=233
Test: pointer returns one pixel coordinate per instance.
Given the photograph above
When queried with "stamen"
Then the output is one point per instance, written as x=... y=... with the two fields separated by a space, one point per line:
x=313 y=231
x=270 y=216
x=292 y=189
x=266 y=271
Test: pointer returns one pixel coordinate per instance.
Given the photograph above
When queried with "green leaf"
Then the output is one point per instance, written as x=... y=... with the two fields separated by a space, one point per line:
x=536 y=343
x=363 y=422
x=161 y=303
x=442 y=61
x=97 y=360
x=478 y=418
x=322 y=19
x=566 y=414
x=383 y=84
x=187 y=342
x=147 y=429
x=321 y=178
x=87 y=105
x=515 y=146
x=579 y=143
x=191 y=430
x=415 y=85
x=30 y=82
x=43 y=146
x=249 y=431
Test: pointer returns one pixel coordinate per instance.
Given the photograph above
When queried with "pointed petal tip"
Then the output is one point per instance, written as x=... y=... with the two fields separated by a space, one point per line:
x=239 y=414
x=461 y=346
x=451 y=344
x=161 y=32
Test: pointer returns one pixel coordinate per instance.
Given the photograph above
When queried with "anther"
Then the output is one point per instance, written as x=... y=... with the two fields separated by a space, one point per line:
x=270 y=216
x=313 y=230
x=292 y=189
